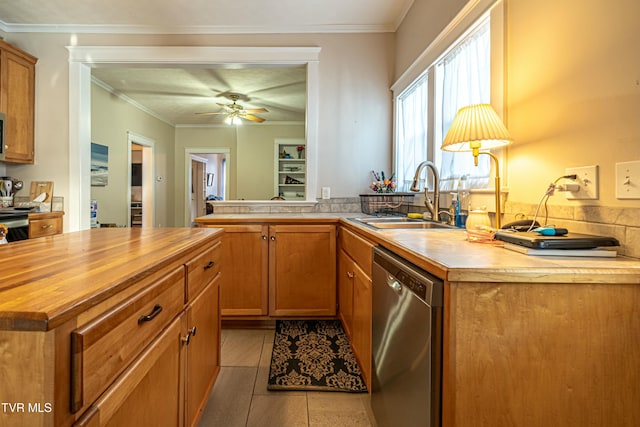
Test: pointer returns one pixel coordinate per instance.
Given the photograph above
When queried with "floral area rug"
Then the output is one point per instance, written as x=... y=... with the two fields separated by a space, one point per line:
x=313 y=355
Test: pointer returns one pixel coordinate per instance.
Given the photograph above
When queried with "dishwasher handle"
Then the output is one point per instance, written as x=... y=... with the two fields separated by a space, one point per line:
x=417 y=281
x=394 y=284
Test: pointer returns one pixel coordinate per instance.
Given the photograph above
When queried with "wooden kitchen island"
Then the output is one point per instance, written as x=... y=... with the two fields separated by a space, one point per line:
x=109 y=327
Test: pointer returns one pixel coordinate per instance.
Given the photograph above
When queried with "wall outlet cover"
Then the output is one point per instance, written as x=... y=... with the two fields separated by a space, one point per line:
x=326 y=193
x=588 y=181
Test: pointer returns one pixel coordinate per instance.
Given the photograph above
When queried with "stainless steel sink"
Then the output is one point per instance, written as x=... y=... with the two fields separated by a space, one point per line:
x=399 y=223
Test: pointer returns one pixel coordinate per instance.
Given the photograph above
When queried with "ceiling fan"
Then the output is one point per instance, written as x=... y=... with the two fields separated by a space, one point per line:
x=235 y=112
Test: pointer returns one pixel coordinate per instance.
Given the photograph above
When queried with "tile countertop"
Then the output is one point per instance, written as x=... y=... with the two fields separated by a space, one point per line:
x=447 y=254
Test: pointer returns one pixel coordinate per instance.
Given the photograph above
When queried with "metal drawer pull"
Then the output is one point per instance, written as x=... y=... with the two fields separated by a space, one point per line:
x=209 y=265
x=149 y=317
x=193 y=331
x=45 y=226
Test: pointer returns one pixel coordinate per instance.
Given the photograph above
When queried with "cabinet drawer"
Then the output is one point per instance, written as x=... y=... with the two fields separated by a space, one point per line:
x=359 y=249
x=108 y=344
x=147 y=393
x=202 y=269
x=44 y=227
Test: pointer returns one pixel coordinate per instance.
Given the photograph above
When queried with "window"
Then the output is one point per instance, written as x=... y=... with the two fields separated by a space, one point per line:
x=411 y=144
x=463 y=77
x=456 y=72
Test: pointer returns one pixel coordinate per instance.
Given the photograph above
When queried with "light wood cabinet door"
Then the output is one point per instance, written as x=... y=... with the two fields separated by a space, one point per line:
x=245 y=270
x=148 y=393
x=302 y=270
x=362 y=314
x=345 y=290
x=17 y=100
x=203 y=350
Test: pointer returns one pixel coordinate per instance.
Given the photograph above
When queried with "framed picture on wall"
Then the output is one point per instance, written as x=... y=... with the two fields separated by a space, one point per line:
x=99 y=165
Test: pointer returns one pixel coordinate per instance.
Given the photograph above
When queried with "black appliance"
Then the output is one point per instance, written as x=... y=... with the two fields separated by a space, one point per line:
x=17 y=221
x=567 y=241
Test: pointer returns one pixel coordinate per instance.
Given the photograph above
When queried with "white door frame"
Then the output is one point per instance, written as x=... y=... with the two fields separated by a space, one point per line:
x=83 y=58
x=188 y=152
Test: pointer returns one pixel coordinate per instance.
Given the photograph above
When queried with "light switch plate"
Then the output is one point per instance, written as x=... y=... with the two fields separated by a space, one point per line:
x=588 y=180
x=628 y=180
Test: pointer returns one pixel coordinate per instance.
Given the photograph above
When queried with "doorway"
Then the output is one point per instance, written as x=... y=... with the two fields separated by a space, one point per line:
x=141 y=206
x=207 y=179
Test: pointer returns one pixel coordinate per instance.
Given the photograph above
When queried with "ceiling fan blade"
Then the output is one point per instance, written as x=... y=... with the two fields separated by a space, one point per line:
x=252 y=118
x=256 y=110
x=212 y=113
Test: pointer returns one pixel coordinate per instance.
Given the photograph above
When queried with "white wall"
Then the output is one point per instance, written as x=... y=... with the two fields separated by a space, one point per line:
x=354 y=113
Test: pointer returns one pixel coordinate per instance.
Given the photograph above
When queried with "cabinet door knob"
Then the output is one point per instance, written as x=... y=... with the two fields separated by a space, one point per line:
x=209 y=265
x=193 y=331
x=264 y=237
x=273 y=238
x=186 y=339
x=350 y=275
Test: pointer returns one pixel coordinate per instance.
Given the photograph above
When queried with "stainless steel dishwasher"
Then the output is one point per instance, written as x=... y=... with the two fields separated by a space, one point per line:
x=406 y=343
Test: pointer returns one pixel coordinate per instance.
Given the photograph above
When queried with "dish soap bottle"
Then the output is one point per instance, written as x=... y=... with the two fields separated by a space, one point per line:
x=462 y=198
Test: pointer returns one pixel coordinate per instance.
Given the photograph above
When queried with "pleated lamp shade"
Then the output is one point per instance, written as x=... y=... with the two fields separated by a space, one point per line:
x=476 y=126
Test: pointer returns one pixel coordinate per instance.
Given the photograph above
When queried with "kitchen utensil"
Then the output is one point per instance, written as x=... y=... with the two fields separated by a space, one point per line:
x=17 y=186
x=3 y=188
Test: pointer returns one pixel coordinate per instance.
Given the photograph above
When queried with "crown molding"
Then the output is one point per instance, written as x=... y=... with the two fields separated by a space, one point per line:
x=194 y=29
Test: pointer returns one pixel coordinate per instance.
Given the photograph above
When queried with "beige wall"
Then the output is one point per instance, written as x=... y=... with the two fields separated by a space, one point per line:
x=425 y=20
x=354 y=115
x=256 y=159
x=573 y=92
x=111 y=118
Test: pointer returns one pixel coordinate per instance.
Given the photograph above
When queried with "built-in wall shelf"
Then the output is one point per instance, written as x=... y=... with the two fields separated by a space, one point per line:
x=291 y=166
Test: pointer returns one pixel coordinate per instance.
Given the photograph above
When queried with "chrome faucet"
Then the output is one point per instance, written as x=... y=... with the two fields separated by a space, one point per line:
x=432 y=206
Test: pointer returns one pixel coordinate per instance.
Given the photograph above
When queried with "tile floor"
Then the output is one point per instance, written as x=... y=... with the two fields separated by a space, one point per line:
x=240 y=397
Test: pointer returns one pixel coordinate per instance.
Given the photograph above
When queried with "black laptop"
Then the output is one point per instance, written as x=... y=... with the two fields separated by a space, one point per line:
x=531 y=239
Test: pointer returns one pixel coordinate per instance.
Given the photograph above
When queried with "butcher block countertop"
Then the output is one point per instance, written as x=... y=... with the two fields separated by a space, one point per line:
x=447 y=253
x=46 y=281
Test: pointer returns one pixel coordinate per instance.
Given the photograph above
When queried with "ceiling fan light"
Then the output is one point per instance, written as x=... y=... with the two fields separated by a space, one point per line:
x=236 y=121
x=227 y=120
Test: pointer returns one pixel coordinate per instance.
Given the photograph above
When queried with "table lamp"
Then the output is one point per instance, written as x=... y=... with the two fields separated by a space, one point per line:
x=474 y=128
